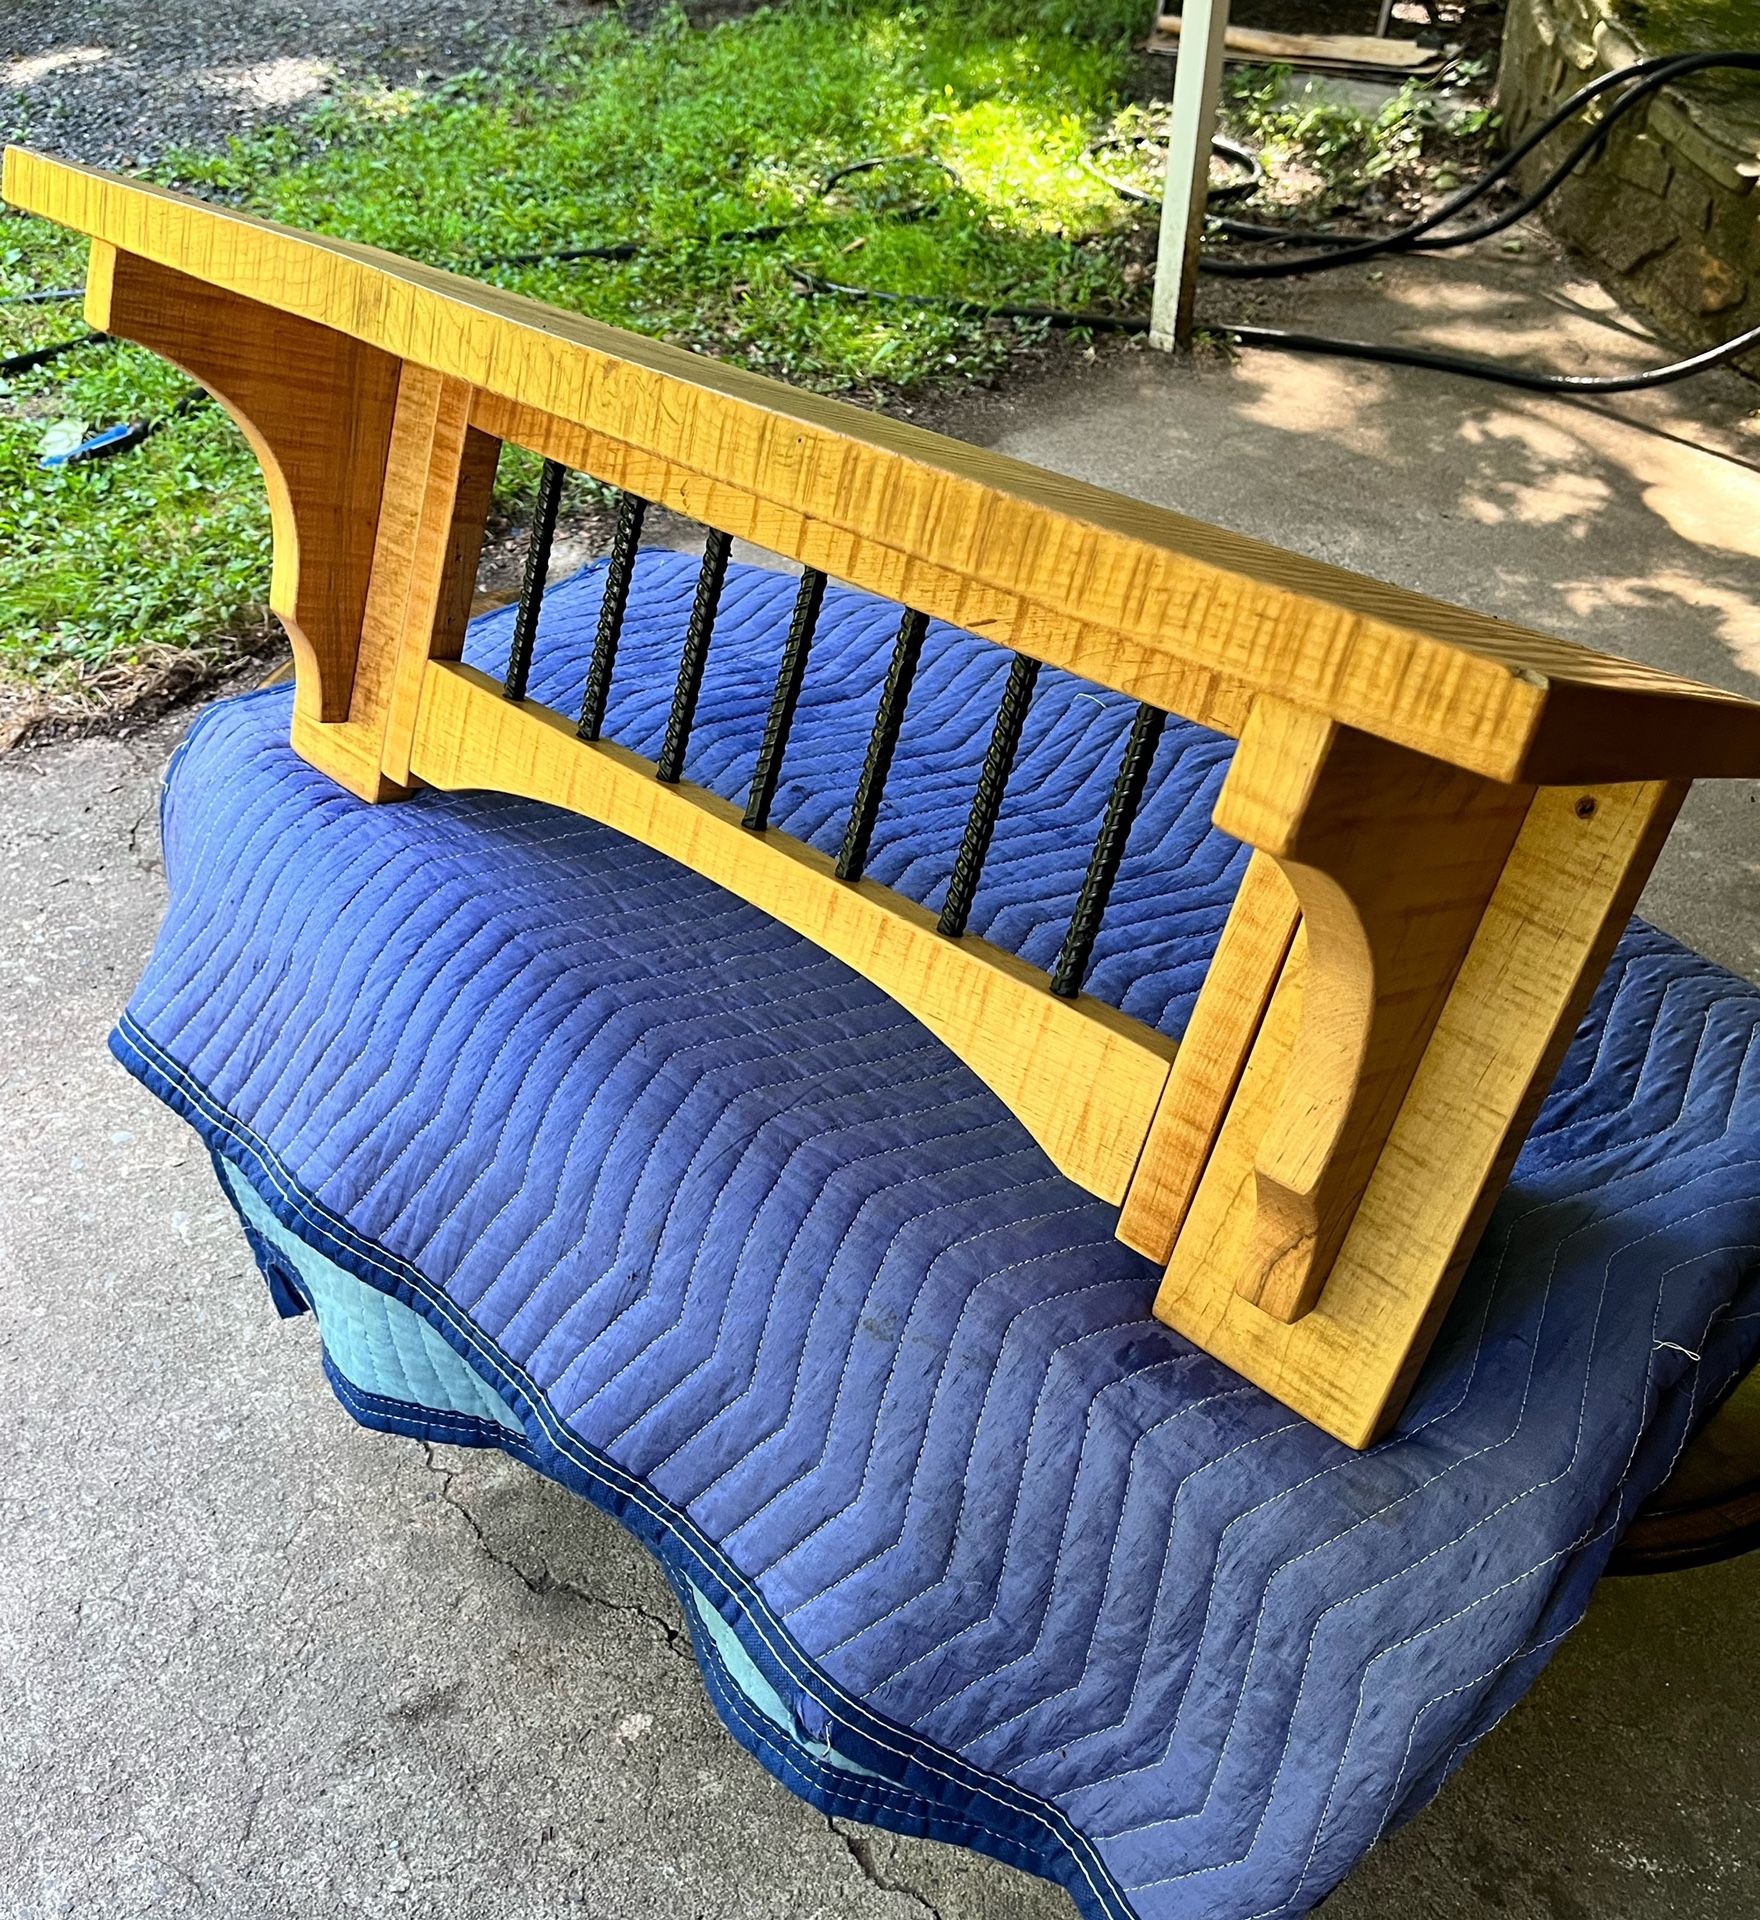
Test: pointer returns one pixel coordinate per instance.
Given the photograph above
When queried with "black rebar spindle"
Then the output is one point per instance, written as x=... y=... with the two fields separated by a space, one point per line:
x=1109 y=844
x=782 y=702
x=531 y=586
x=618 y=572
x=670 y=766
x=974 y=846
x=907 y=649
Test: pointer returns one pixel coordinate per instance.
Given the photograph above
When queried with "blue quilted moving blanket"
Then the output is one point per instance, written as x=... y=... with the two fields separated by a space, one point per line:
x=573 y=1154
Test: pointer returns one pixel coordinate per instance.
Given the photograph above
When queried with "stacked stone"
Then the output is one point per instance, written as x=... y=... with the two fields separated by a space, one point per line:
x=1667 y=209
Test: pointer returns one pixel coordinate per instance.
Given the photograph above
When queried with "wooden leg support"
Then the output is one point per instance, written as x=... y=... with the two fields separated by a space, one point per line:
x=1327 y=1194
x=1212 y=1056
x=438 y=477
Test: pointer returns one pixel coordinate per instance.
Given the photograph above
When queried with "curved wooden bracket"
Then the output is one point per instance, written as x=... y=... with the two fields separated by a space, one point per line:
x=1392 y=858
x=1560 y=903
x=316 y=406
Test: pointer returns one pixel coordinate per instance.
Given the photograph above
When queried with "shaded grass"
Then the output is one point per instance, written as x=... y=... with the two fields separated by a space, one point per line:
x=1692 y=26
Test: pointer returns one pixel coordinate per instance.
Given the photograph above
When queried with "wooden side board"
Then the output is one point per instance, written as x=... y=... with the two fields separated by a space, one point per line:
x=1561 y=902
x=1392 y=859
x=1451 y=818
x=1336 y=52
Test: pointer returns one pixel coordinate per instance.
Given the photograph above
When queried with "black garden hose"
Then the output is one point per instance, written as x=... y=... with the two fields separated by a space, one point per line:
x=769 y=230
x=1249 y=180
x=127 y=435
x=1290 y=341
x=41 y=356
x=108 y=441
x=1641 y=80
x=1528 y=379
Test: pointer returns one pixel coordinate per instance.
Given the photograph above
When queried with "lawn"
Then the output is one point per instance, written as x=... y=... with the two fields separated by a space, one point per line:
x=678 y=139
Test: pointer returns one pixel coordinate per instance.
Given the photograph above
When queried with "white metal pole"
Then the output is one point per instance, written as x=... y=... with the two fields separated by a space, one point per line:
x=1197 y=80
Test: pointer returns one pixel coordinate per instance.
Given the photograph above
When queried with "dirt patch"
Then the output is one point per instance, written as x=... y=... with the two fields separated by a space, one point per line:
x=124 y=698
x=115 y=83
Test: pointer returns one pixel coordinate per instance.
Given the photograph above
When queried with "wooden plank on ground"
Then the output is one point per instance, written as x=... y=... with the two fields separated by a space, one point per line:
x=1326 y=52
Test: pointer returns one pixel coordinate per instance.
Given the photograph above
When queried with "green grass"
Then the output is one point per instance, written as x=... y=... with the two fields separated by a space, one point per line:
x=1700 y=26
x=675 y=138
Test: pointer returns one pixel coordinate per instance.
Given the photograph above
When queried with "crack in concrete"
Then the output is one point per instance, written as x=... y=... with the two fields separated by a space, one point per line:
x=253 y=1800
x=861 y=1850
x=544 y=1581
x=147 y=863
x=178 y=1872
x=255 y=1787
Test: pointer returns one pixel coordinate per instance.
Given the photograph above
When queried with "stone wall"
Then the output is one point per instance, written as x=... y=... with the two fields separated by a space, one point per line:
x=1668 y=210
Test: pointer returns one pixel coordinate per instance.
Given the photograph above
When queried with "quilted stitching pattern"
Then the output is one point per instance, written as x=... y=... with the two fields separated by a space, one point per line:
x=755 y=1253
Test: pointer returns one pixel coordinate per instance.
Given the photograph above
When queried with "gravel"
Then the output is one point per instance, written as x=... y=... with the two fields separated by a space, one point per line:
x=117 y=82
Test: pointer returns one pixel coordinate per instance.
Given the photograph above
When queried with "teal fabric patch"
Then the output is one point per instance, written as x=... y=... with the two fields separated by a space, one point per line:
x=376 y=1343
x=386 y=1350
x=742 y=1671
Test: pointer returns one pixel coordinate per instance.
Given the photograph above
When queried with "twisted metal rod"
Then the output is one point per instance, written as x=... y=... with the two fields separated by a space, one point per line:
x=619 y=571
x=1109 y=844
x=670 y=766
x=783 y=701
x=532 y=582
x=907 y=650
x=974 y=846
